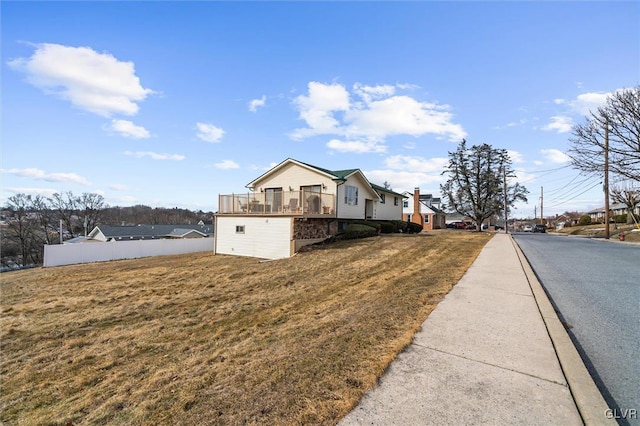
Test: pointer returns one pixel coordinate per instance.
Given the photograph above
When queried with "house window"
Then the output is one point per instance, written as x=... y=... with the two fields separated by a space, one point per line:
x=382 y=197
x=239 y=229
x=405 y=204
x=395 y=201
x=351 y=195
x=426 y=218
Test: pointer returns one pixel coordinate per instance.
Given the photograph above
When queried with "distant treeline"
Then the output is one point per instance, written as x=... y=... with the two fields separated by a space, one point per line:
x=30 y=222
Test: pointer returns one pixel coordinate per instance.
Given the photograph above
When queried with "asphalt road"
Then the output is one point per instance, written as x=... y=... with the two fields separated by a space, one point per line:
x=595 y=286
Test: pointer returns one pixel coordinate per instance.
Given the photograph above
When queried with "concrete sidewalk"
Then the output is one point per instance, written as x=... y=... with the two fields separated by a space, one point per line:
x=490 y=353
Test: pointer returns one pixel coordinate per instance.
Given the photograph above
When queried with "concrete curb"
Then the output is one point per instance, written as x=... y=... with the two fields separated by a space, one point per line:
x=589 y=401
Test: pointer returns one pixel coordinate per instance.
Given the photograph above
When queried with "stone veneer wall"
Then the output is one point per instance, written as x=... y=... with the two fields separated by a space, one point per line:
x=314 y=228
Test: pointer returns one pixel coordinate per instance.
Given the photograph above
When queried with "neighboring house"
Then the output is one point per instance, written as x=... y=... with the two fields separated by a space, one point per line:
x=564 y=219
x=423 y=209
x=295 y=204
x=149 y=232
x=597 y=215
x=457 y=217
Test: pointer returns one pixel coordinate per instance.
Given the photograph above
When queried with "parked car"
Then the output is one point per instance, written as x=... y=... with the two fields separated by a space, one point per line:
x=456 y=225
x=540 y=228
x=527 y=228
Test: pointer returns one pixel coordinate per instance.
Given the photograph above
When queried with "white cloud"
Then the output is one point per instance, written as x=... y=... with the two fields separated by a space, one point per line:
x=555 y=156
x=318 y=107
x=38 y=174
x=226 y=164
x=154 y=155
x=127 y=129
x=92 y=81
x=560 y=124
x=417 y=164
x=257 y=103
x=515 y=156
x=359 y=147
x=588 y=102
x=585 y=102
x=369 y=93
x=523 y=177
x=377 y=113
x=404 y=180
x=403 y=115
x=404 y=172
x=209 y=132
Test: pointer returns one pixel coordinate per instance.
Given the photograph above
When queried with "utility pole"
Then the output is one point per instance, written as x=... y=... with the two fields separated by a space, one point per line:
x=541 y=205
x=506 y=204
x=606 y=179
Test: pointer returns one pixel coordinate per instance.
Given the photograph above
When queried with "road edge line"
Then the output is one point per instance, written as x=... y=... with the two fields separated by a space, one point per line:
x=588 y=399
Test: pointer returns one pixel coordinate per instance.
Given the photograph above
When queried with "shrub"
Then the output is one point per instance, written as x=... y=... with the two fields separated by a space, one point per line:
x=400 y=225
x=358 y=230
x=585 y=219
x=621 y=218
x=413 y=228
x=388 y=228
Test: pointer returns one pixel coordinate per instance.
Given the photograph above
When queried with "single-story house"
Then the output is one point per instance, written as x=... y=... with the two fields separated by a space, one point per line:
x=149 y=232
x=295 y=204
x=597 y=215
x=423 y=209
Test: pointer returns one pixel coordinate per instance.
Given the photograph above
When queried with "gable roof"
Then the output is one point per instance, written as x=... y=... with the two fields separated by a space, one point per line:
x=389 y=191
x=336 y=175
x=426 y=200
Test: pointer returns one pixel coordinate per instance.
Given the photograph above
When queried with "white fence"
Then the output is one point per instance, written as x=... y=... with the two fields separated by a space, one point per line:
x=71 y=254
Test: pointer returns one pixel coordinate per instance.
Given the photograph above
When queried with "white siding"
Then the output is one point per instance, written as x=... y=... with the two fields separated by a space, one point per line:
x=263 y=237
x=388 y=211
x=364 y=192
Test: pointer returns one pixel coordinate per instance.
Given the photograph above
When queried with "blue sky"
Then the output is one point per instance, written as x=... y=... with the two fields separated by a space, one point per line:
x=172 y=103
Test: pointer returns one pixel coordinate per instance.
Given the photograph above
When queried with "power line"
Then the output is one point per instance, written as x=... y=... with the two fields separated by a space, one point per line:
x=577 y=195
x=546 y=172
x=578 y=184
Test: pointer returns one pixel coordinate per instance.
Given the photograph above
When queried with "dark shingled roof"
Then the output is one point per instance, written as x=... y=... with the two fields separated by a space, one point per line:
x=149 y=232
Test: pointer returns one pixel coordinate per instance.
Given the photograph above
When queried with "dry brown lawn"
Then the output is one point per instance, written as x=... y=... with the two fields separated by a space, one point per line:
x=631 y=232
x=202 y=339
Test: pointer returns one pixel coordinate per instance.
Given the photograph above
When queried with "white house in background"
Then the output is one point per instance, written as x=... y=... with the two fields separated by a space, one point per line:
x=296 y=204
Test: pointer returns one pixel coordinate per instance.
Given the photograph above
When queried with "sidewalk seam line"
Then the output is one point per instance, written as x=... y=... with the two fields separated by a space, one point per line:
x=566 y=385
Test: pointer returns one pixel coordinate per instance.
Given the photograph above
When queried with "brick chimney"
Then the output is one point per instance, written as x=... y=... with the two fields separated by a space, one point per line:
x=416 y=217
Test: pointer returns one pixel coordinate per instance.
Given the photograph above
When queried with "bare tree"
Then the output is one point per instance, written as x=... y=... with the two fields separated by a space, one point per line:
x=46 y=219
x=22 y=227
x=65 y=204
x=621 y=115
x=475 y=187
x=90 y=206
x=627 y=195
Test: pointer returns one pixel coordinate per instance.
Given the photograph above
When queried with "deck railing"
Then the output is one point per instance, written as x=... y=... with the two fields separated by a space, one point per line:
x=302 y=203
